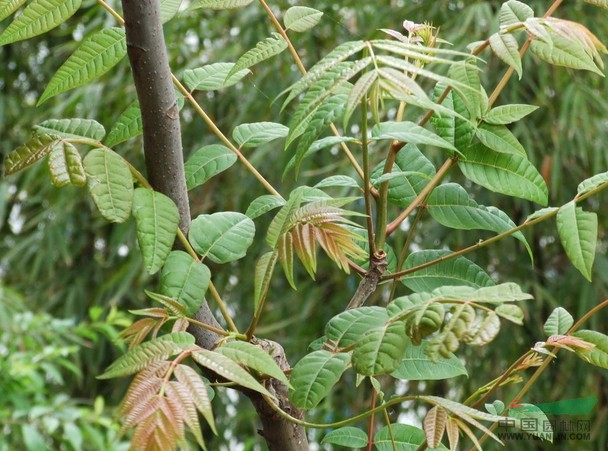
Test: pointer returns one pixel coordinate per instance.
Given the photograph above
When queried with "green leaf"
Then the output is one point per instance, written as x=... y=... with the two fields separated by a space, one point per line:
x=168 y=9
x=381 y=350
x=72 y=128
x=223 y=236
x=527 y=414
x=511 y=313
x=263 y=50
x=338 y=180
x=404 y=189
x=39 y=17
x=600 y=3
x=598 y=356
x=562 y=51
x=455 y=129
x=207 y=162
x=513 y=11
x=220 y=4
x=32 y=438
x=38 y=146
x=185 y=280
x=406 y=438
x=264 y=204
x=320 y=144
x=8 y=7
x=577 y=231
x=467 y=73
x=263 y=274
x=507 y=114
x=360 y=89
x=346 y=328
x=96 y=55
x=507 y=49
x=591 y=183
x=258 y=133
x=451 y=206
x=558 y=323
x=149 y=352
x=314 y=376
x=212 y=77
x=227 y=368
x=541 y=212
x=110 y=183
x=301 y=18
x=418 y=366
x=457 y=271
x=408 y=132
x=126 y=127
x=157 y=220
x=496 y=294
x=500 y=139
x=253 y=357
x=281 y=222
x=508 y=174
x=348 y=437
x=65 y=166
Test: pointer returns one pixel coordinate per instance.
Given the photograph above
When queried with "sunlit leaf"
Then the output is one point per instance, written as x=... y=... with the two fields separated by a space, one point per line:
x=258 y=133
x=8 y=7
x=408 y=132
x=263 y=50
x=507 y=49
x=212 y=77
x=220 y=4
x=506 y=114
x=39 y=146
x=301 y=18
x=558 y=323
x=185 y=280
x=65 y=166
x=253 y=357
x=126 y=127
x=96 y=55
x=314 y=376
x=72 y=128
x=110 y=183
x=500 y=139
x=592 y=183
x=577 y=231
x=168 y=9
x=223 y=236
x=264 y=204
x=513 y=11
x=39 y=17
x=598 y=356
x=207 y=162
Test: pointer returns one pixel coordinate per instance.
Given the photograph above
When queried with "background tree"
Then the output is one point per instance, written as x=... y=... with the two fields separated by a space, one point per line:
x=41 y=239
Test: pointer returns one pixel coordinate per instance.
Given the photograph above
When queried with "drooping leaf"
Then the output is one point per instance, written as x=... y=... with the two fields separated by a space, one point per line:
x=381 y=350
x=418 y=366
x=402 y=436
x=264 y=204
x=598 y=356
x=513 y=11
x=263 y=274
x=263 y=50
x=110 y=183
x=220 y=4
x=403 y=189
x=185 y=280
x=168 y=9
x=198 y=391
x=314 y=376
x=223 y=236
x=455 y=129
x=211 y=77
x=229 y=369
x=126 y=127
x=495 y=294
x=408 y=132
x=347 y=437
x=511 y=313
x=457 y=271
x=149 y=352
x=37 y=18
x=359 y=91
x=301 y=18
x=157 y=220
x=577 y=231
x=65 y=166
x=507 y=114
x=500 y=139
x=38 y=146
x=281 y=222
x=96 y=55
x=562 y=51
x=253 y=357
x=467 y=73
x=558 y=323
x=507 y=49
x=207 y=162
x=72 y=128
x=258 y=133
x=8 y=7
x=451 y=206
x=349 y=326
x=508 y=174
x=591 y=183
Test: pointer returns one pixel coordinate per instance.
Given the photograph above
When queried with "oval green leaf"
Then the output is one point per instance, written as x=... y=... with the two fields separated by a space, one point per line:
x=381 y=350
x=301 y=18
x=577 y=230
x=207 y=162
x=223 y=236
x=65 y=166
x=185 y=280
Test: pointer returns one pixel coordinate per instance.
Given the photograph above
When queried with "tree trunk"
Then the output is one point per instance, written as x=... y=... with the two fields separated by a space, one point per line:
x=165 y=168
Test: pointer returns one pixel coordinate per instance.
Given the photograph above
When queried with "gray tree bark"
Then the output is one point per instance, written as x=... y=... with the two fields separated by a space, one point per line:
x=165 y=169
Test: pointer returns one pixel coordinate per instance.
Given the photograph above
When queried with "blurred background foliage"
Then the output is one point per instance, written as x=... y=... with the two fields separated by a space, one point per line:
x=65 y=274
